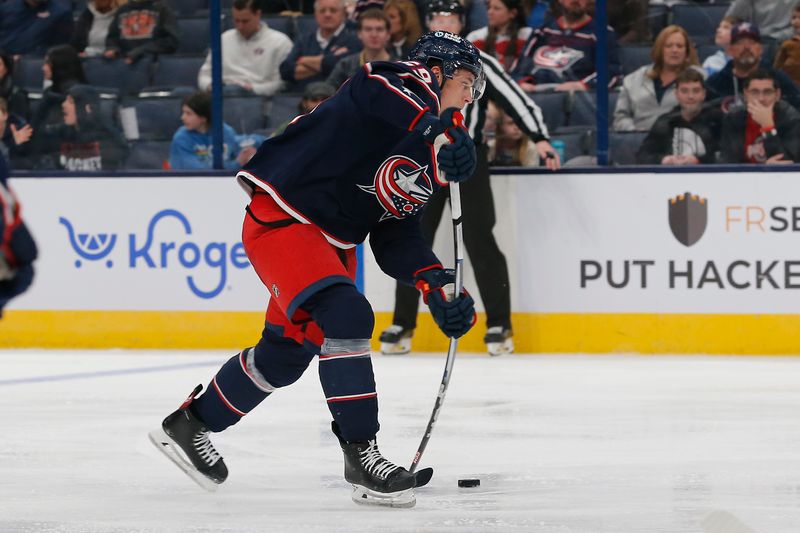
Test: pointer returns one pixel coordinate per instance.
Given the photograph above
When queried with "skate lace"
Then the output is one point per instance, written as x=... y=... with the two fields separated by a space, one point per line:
x=394 y=329
x=375 y=463
x=202 y=444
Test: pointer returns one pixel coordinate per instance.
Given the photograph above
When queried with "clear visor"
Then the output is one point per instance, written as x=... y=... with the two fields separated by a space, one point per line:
x=479 y=85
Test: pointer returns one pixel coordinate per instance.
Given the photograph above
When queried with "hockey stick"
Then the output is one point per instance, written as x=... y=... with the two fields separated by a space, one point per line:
x=423 y=476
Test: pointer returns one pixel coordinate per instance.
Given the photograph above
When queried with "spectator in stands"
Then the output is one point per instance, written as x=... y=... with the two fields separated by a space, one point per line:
x=649 y=91
x=62 y=68
x=689 y=135
x=142 y=28
x=85 y=140
x=510 y=147
x=315 y=93
x=746 y=53
x=33 y=26
x=629 y=20
x=91 y=27
x=506 y=33
x=192 y=144
x=314 y=54
x=373 y=32
x=14 y=136
x=722 y=38
x=767 y=130
x=788 y=57
x=15 y=96
x=561 y=54
x=405 y=23
x=772 y=16
x=251 y=54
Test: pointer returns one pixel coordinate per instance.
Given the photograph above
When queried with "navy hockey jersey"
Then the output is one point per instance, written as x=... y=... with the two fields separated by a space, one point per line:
x=358 y=164
x=555 y=54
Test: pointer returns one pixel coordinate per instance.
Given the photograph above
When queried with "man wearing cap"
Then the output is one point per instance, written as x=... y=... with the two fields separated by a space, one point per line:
x=746 y=52
x=314 y=93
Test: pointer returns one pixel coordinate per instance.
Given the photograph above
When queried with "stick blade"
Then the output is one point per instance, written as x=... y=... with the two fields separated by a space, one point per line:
x=422 y=477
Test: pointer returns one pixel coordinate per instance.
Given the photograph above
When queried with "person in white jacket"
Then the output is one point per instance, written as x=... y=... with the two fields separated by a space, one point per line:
x=251 y=54
x=649 y=91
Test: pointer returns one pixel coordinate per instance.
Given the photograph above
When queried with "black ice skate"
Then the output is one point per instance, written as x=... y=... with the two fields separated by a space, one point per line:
x=498 y=341
x=375 y=479
x=184 y=440
x=396 y=340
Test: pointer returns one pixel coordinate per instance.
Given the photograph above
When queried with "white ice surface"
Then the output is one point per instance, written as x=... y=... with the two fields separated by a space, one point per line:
x=561 y=444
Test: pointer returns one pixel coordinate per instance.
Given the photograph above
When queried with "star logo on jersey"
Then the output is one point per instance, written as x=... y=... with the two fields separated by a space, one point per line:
x=402 y=187
x=557 y=58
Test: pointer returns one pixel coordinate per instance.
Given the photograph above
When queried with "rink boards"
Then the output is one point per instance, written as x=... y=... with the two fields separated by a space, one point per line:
x=623 y=262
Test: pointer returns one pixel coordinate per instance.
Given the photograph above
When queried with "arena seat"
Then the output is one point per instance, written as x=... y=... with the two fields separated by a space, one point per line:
x=128 y=79
x=623 y=145
x=187 y=8
x=28 y=73
x=553 y=108
x=282 y=108
x=147 y=155
x=176 y=71
x=244 y=113
x=158 y=118
x=194 y=37
x=699 y=20
x=633 y=56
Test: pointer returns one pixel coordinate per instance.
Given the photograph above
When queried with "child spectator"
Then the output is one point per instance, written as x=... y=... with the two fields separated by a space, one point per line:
x=788 y=57
x=505 y=35
x=142 y=27
x=511 y=147
x=649 y=91
x=405 y=25
x=91 y=28
x=192 y=144
x=14 y=136
x=689 y=135
x=86 y=140
x=15 y=96
x=722 y=38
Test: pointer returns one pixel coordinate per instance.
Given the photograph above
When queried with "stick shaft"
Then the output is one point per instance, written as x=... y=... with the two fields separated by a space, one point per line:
x=458 y=243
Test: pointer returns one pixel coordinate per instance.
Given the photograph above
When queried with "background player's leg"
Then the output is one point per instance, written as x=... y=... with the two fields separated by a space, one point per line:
x=488 y=262
x=396 y=340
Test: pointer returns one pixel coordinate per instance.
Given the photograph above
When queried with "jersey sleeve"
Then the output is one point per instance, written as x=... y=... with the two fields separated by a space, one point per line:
x=400 y=249
x=382 y=93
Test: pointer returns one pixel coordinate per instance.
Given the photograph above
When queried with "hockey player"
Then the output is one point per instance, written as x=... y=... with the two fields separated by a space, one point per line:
x=17 y=247
x=488 y=262
x=363 y=162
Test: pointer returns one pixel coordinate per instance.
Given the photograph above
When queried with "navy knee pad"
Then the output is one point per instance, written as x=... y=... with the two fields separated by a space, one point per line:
x=341 y=312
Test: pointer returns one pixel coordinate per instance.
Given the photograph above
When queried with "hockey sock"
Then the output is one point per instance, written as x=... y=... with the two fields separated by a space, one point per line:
x=233 y=392
x=345 y=371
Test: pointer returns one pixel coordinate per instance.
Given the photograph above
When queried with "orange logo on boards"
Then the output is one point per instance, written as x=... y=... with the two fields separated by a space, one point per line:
x=138 y=24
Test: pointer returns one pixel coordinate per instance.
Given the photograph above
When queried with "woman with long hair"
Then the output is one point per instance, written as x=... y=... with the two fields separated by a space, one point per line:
x=405 y=25
x=649 y=91
x=505 y=35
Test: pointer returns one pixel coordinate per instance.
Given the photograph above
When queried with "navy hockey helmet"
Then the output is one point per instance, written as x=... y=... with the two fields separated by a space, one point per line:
x=453 y=52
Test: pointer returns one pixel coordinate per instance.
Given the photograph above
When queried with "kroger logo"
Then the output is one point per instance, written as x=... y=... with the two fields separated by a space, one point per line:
x=149 y=252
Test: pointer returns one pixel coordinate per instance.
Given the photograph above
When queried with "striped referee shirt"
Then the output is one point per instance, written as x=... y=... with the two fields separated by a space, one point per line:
x=505 y=92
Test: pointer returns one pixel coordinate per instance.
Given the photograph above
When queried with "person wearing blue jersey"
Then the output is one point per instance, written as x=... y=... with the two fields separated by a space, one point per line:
x=362 y=164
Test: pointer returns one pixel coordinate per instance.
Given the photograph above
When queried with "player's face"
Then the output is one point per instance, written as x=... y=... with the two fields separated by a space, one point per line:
x=329 y=14
x=70 y=112
x=690 y=96
x=457 y=92
x=498 y=14
x=246 y=22
x=762 y=91
x=674 y=53
x=374 y=34
x=192 y=120
x=445 y=22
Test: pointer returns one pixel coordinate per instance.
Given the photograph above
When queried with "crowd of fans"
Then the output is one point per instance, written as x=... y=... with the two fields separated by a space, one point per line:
x=729 y=96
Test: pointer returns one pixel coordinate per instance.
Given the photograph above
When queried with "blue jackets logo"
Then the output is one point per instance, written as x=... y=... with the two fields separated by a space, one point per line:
x=148 y=252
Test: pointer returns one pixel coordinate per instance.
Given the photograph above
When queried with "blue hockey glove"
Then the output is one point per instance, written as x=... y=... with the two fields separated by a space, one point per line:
x=454 y=316
x=455 y=149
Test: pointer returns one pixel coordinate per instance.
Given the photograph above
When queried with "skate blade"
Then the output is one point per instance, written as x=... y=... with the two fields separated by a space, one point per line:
x=401 y=347
x=402 y=499
x=500 y=348
x=168 y=447
x=422 y=477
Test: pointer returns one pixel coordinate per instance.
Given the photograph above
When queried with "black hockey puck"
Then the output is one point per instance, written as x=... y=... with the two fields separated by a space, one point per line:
x=469 y=483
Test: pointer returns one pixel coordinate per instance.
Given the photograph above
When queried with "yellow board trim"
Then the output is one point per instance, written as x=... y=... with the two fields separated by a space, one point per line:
x=533 y=332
